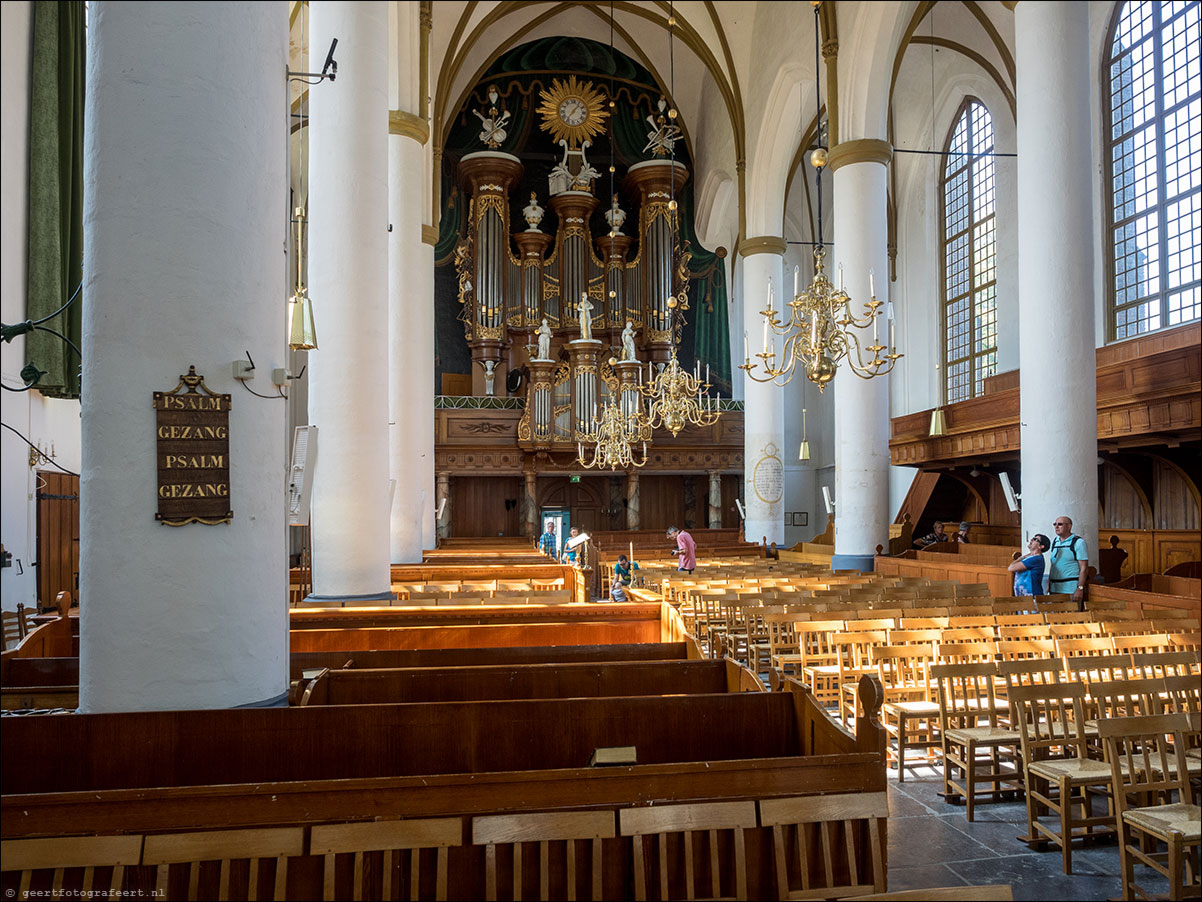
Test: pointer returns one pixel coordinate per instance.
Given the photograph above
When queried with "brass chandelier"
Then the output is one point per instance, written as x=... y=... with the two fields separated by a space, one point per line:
x=820 y=330
x=675 y=397
x=615 y=442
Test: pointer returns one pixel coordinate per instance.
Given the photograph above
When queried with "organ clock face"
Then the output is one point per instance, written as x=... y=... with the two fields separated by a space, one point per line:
x=573 y=111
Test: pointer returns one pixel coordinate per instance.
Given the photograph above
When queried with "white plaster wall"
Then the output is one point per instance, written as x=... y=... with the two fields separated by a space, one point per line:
x=917 y=292
x=185 y=223
x=51 y=424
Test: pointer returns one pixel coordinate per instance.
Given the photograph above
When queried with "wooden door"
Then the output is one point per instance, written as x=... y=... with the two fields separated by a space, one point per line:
x=58 y=536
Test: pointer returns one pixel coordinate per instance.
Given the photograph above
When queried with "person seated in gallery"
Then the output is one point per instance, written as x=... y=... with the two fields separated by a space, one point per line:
x=931 y=538
x=962 y=536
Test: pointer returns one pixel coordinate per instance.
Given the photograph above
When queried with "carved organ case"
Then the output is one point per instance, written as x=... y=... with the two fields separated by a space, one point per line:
x=558 y=302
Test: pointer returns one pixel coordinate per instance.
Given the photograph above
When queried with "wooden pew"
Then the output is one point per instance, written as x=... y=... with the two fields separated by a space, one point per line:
x=526 y=681
x=460 y=657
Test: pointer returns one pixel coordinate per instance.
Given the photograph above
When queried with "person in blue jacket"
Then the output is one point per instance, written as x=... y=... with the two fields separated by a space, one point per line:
x=1028 y=571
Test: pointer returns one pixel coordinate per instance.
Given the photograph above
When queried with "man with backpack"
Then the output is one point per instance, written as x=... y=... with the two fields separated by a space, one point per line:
x=1068 y=561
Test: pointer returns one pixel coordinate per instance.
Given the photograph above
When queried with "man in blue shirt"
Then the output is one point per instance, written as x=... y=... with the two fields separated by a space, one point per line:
x=1068 y=562
x=547 y=543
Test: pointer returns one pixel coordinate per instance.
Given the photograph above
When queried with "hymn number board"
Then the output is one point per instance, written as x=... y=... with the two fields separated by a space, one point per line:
x=193 y=434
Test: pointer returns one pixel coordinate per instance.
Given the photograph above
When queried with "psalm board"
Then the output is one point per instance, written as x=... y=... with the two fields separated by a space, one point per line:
x=193 y=434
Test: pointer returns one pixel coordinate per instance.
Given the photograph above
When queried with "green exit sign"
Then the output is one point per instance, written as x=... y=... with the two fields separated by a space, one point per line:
x=573 y=479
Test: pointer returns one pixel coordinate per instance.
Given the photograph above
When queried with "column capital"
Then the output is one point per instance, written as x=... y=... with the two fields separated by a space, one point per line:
x=429 y=235
x=864 y=150
x=409 y=125
x=764 y=244
x=830 y=48
x=1010 y=4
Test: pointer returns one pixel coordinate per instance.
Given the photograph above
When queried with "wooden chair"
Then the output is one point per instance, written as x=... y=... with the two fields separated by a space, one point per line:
x=58 y=853
x=968 y=725
x=855 y=660
x=1095 y=668
x=1059 y=775
x=1082 y=630
x=1068 y=614
x=392 y=838
x=1094 y=645
x=909 y=713
x=922 y=619
x=1142 y=643
x=815 y=647
x=1179 y=695
x=224 y=846
x=966 y=652
x=827 y=846
x=689 y=821
x=960 y=621
x=1019 y=649
x=12 y=629
x=566 y=827
x=1146 y=766
x=1003 y=620
x=1024 y=631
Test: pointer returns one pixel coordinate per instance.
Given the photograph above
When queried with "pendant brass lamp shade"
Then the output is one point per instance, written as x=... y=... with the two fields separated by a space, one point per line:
x=302 y=336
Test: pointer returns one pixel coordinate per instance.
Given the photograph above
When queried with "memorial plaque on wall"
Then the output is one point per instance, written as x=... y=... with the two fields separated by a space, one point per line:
x=193 y=434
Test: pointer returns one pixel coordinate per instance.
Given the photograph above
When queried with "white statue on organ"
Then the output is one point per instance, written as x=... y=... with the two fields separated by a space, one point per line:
x=586 y=318
x=628 y=350
x=544 y=341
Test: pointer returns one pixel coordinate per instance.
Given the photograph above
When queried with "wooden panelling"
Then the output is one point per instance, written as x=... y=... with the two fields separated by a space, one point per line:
x=1123 y=503
x=1175 y=497
x=478 y=506
x=661 y=501
x=1148 y=390
x=58 y=536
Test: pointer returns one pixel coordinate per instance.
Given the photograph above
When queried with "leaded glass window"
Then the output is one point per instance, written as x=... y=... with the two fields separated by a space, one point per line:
x=969 y=254
x=1154 y=146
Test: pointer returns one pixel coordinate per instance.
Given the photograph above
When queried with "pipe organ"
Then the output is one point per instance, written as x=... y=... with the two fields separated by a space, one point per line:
x=558 y=302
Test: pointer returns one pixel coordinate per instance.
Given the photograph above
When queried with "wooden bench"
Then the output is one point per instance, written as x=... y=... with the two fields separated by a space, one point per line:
x=526 y=681
x=180 y=772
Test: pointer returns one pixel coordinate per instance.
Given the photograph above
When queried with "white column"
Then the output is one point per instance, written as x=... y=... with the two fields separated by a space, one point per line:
x=715 y=499
x=1058 y=391
x=763 y=417
x=424 y=390
x=411 y=348
x=186 y=222
x=348 y=281
x=861 y=405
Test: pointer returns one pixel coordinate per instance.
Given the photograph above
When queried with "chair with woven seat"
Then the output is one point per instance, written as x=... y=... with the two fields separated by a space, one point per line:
x=827 y=846
x=540 y=831
x=910 y=712
x=968 y=725
x=393 y=839
x=1058 y=773
x=1146 y=765
x=724 y=876
x=815 y=646
x=854 y=660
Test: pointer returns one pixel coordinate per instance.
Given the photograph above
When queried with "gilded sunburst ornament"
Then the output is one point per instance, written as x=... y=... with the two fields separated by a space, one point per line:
x=573 y=111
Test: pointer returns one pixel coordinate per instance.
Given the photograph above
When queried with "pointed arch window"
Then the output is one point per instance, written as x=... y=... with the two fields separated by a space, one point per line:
x=969 y=254
x=1153 y=118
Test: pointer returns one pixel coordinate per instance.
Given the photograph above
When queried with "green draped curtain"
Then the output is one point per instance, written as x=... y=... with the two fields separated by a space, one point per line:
x=56 y=191
x=707 y=301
